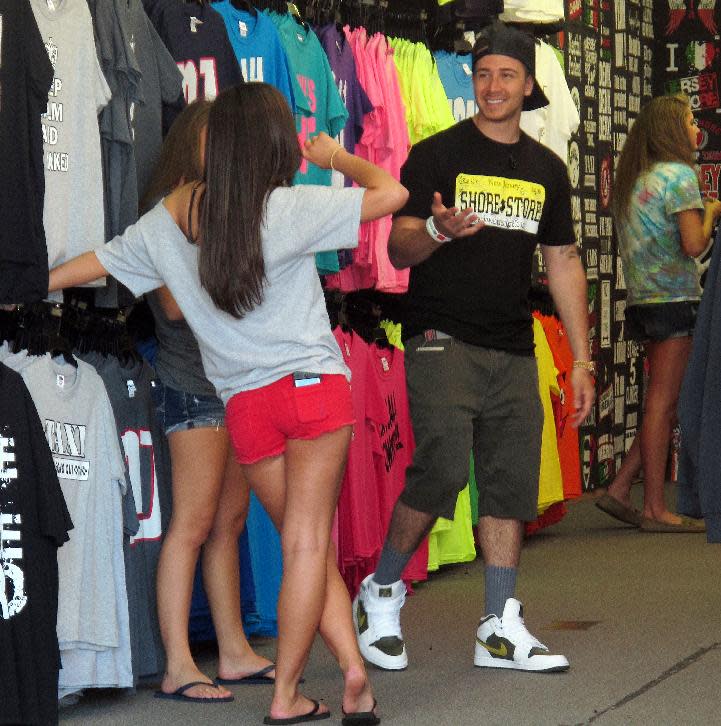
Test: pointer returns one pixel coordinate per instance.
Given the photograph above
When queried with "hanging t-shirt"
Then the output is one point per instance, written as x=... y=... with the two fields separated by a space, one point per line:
x=116 y=134
x=25 y=77
x=93 y=630
x=550 y=482
x=318 y=104
x=357 y=103
x=384 y=143
x=73 y=216
x=147 y=458
x=427 y=110
x=196 y=37
x=553 y=124
x=451 y=540
x=566 y=434
x=649 y=241
x=258 y=48
x=360 y=523
x=456 y=73
x=532 y=11
x=160 y=83
x=34 y=522
x=392 y=439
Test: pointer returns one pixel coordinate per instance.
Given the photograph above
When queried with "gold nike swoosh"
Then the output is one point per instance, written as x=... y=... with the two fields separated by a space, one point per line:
x=501 y=652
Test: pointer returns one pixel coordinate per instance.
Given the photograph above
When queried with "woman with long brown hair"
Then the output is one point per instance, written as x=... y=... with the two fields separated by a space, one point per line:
x=662 y=224
x=237 y=250
x=210 y=494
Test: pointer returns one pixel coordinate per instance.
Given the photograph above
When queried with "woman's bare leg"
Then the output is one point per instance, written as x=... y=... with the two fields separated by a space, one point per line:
x=299 y=491
x=221 y=577
x=667 y=363
x=196 y=482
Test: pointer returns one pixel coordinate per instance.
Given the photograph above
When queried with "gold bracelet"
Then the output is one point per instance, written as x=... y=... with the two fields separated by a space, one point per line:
x=586 y=365
x=332 y=156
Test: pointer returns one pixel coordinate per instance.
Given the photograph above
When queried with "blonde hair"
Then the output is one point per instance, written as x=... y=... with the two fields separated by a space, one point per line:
x=660 y=133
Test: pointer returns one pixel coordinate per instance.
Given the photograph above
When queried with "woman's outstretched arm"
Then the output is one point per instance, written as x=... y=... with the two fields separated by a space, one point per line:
x=78 y=271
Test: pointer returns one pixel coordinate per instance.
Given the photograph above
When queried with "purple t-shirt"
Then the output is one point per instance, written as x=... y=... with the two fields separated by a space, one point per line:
x=342 y=64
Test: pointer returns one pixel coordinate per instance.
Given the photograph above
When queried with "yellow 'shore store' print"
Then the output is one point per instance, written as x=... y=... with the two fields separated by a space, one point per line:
x=506 y=203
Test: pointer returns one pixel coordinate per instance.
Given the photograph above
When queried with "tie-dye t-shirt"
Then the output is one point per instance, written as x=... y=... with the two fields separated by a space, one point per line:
x=655 y=267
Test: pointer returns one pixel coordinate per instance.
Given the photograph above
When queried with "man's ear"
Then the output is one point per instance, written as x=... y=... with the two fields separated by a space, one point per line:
x=528 y=89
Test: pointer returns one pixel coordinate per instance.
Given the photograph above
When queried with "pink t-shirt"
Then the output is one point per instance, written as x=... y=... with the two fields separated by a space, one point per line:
x=391 y=439
x=359 y=520
x=385 y=143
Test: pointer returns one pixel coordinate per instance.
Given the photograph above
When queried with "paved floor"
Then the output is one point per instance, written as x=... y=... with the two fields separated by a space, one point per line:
x=638 y=615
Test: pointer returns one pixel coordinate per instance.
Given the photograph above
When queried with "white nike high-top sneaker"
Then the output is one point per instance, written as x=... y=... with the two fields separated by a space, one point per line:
x=505 y=643
x=377 y=620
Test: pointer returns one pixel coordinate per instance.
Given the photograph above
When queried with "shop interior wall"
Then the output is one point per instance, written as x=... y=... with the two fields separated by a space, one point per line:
x=608 y=52
x=617 y=55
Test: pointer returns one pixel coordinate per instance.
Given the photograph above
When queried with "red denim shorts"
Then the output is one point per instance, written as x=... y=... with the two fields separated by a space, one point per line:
x=261 y=420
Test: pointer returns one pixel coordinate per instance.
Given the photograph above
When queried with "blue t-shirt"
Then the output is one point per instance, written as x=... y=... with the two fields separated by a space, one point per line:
x=649 y=241
x=258 y=49
x=457 y=78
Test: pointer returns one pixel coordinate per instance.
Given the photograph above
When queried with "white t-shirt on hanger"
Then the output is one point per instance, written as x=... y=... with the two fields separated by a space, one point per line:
x=552 y=125
x=532 y=11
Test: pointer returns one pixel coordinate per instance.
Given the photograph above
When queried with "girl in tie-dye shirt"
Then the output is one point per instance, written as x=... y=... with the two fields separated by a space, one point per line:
x=662 y=224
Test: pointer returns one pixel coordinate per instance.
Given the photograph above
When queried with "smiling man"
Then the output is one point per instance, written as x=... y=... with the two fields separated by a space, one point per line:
x=482 y=196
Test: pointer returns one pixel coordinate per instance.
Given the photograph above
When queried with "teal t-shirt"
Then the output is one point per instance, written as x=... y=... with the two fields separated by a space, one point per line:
x=655 y=266
x=319 y=105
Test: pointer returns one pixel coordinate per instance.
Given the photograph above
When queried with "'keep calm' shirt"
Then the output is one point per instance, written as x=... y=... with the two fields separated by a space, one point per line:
x=74 y=215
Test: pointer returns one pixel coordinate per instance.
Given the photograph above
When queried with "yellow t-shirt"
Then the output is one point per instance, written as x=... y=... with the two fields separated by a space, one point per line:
x=550 y=482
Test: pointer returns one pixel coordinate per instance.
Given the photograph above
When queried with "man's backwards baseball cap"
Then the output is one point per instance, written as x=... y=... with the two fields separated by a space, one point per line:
x=501 y=39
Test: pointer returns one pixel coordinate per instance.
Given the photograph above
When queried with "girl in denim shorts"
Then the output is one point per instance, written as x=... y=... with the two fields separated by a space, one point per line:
x=210 y=494
x=662 y=225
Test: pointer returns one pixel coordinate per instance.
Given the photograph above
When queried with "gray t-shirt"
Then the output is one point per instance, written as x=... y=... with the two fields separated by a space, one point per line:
x=290 y=330
x=73 y=215
x=148 y=460
x=80 y=429
x=161 y=82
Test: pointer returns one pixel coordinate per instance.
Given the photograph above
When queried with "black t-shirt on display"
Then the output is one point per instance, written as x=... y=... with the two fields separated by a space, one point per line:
x=197 y=39
x=34 y=522
x=25 y=78
x=476 y=288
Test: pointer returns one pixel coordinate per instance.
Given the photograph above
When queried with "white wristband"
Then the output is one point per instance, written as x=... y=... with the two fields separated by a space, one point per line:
x=434 y=233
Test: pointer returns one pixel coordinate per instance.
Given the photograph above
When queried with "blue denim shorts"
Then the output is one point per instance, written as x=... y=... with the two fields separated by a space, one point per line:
x=661 y=321
x=181 y=411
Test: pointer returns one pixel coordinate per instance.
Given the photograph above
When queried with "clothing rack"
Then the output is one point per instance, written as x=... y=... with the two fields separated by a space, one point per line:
x=44 y=327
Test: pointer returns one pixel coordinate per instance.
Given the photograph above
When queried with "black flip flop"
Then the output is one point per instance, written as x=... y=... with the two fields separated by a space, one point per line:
x=253 y=679
x=312 y=715
x=179 y=694
x=361 y=718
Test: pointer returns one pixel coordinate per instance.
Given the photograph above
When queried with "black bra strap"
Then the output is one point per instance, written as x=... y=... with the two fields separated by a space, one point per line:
x=190 y=213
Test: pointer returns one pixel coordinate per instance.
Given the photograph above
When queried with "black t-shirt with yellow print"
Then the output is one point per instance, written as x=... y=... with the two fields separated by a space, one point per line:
x=476 y=288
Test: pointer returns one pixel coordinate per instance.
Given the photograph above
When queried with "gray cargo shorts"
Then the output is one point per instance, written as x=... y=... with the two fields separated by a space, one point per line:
x=467 y=398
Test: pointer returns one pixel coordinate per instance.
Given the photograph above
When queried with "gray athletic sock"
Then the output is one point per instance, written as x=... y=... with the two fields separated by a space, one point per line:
x=390 y=565
x=500 y=585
